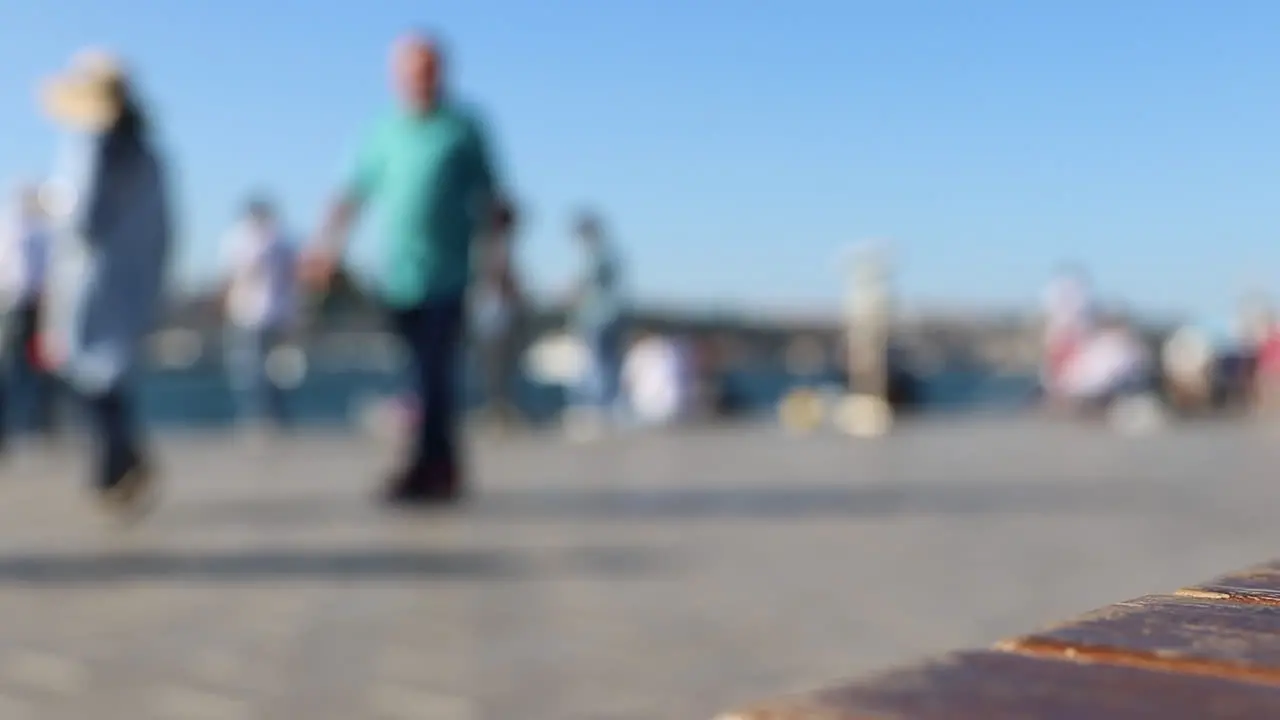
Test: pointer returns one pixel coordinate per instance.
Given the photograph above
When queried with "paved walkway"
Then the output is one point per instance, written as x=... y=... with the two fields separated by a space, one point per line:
x=651 y=577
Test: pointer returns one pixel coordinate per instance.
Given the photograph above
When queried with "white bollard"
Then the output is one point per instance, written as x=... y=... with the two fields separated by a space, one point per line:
x=865 y=416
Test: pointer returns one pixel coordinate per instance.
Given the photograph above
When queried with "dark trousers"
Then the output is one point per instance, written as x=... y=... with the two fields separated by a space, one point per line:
x=23 y=379
x=432 y=333
x=114 y=426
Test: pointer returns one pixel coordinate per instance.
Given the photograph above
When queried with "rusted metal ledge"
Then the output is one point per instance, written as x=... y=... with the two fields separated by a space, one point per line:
x=1208 y=652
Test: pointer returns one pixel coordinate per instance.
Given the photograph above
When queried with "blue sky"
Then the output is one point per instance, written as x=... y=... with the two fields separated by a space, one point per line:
x=737 y=145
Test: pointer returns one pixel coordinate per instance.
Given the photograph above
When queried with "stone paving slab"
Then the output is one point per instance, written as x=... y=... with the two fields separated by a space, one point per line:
x=646 y=577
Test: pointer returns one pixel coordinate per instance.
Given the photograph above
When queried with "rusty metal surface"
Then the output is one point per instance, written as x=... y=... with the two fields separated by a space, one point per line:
x=1178 y=634
x=1009 y=686
x=1196 y=655
x=1207 y=652
x=1261 y=583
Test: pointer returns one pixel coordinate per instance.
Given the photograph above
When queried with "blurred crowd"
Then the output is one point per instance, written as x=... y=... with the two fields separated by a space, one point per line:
x=84 y=255
x=1096 y=359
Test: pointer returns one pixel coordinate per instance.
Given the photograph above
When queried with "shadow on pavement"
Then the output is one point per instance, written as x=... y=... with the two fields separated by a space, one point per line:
x=780 y=502
x=62 y=569
x=294 y=510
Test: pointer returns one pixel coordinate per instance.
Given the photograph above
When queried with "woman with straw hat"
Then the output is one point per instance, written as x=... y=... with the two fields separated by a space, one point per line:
x=115 y=224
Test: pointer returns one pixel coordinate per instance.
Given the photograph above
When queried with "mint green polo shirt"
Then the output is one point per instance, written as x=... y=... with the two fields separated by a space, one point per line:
x=428 y=180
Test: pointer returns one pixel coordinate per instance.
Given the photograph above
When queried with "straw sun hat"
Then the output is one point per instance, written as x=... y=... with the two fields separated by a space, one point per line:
x=90 y=94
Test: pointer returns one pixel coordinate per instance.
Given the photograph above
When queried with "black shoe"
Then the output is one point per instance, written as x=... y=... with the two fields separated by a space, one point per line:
x=437 y=485
x=128 y=489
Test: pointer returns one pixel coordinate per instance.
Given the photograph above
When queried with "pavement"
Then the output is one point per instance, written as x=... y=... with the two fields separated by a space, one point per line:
x=649 y=576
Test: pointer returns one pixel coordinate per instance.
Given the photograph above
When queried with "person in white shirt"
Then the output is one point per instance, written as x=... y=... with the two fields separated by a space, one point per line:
x=1188 y=358
x=655 y=379
x=260 y=305
x=24 y=259
x=1111 y=364
x=1069 y=319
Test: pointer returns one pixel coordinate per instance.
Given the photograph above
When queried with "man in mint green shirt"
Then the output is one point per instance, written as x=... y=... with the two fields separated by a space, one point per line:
x=425 y=170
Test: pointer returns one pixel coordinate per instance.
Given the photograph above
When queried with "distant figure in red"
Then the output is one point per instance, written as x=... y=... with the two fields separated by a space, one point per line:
x=1266 y=375
x=1069 y=322
x=1269 y=354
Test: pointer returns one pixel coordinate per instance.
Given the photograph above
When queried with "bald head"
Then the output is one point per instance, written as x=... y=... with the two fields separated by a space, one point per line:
x=417 y=63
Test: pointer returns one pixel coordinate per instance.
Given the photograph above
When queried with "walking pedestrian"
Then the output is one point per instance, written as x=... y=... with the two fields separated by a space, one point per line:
x=24 y=258
x=427 y=170
x=259 y=308
x=499 y=308
x=1069 y=316
x=120 y=223
x=596 y=316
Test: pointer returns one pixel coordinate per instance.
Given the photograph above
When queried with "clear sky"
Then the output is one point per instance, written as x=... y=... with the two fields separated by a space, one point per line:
x=736 y=145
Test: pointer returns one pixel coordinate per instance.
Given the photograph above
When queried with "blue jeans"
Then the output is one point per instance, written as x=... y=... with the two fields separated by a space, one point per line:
x=258 y=398
x=600 y=386
x=432 y=334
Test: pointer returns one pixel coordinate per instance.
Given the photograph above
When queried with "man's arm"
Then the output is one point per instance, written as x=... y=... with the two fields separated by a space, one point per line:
x=361 y=183
x=335 y=229
x=318 y=263
x=320 y=260
x=504 y=270
x=496 y=213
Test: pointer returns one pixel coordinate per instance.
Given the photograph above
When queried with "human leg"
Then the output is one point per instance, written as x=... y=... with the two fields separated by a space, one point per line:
x=120 y=472
x=432 y=470
x=609 y=361
x=12 y=347
x=440 y=426
x=245 y=367
x=273 y=394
